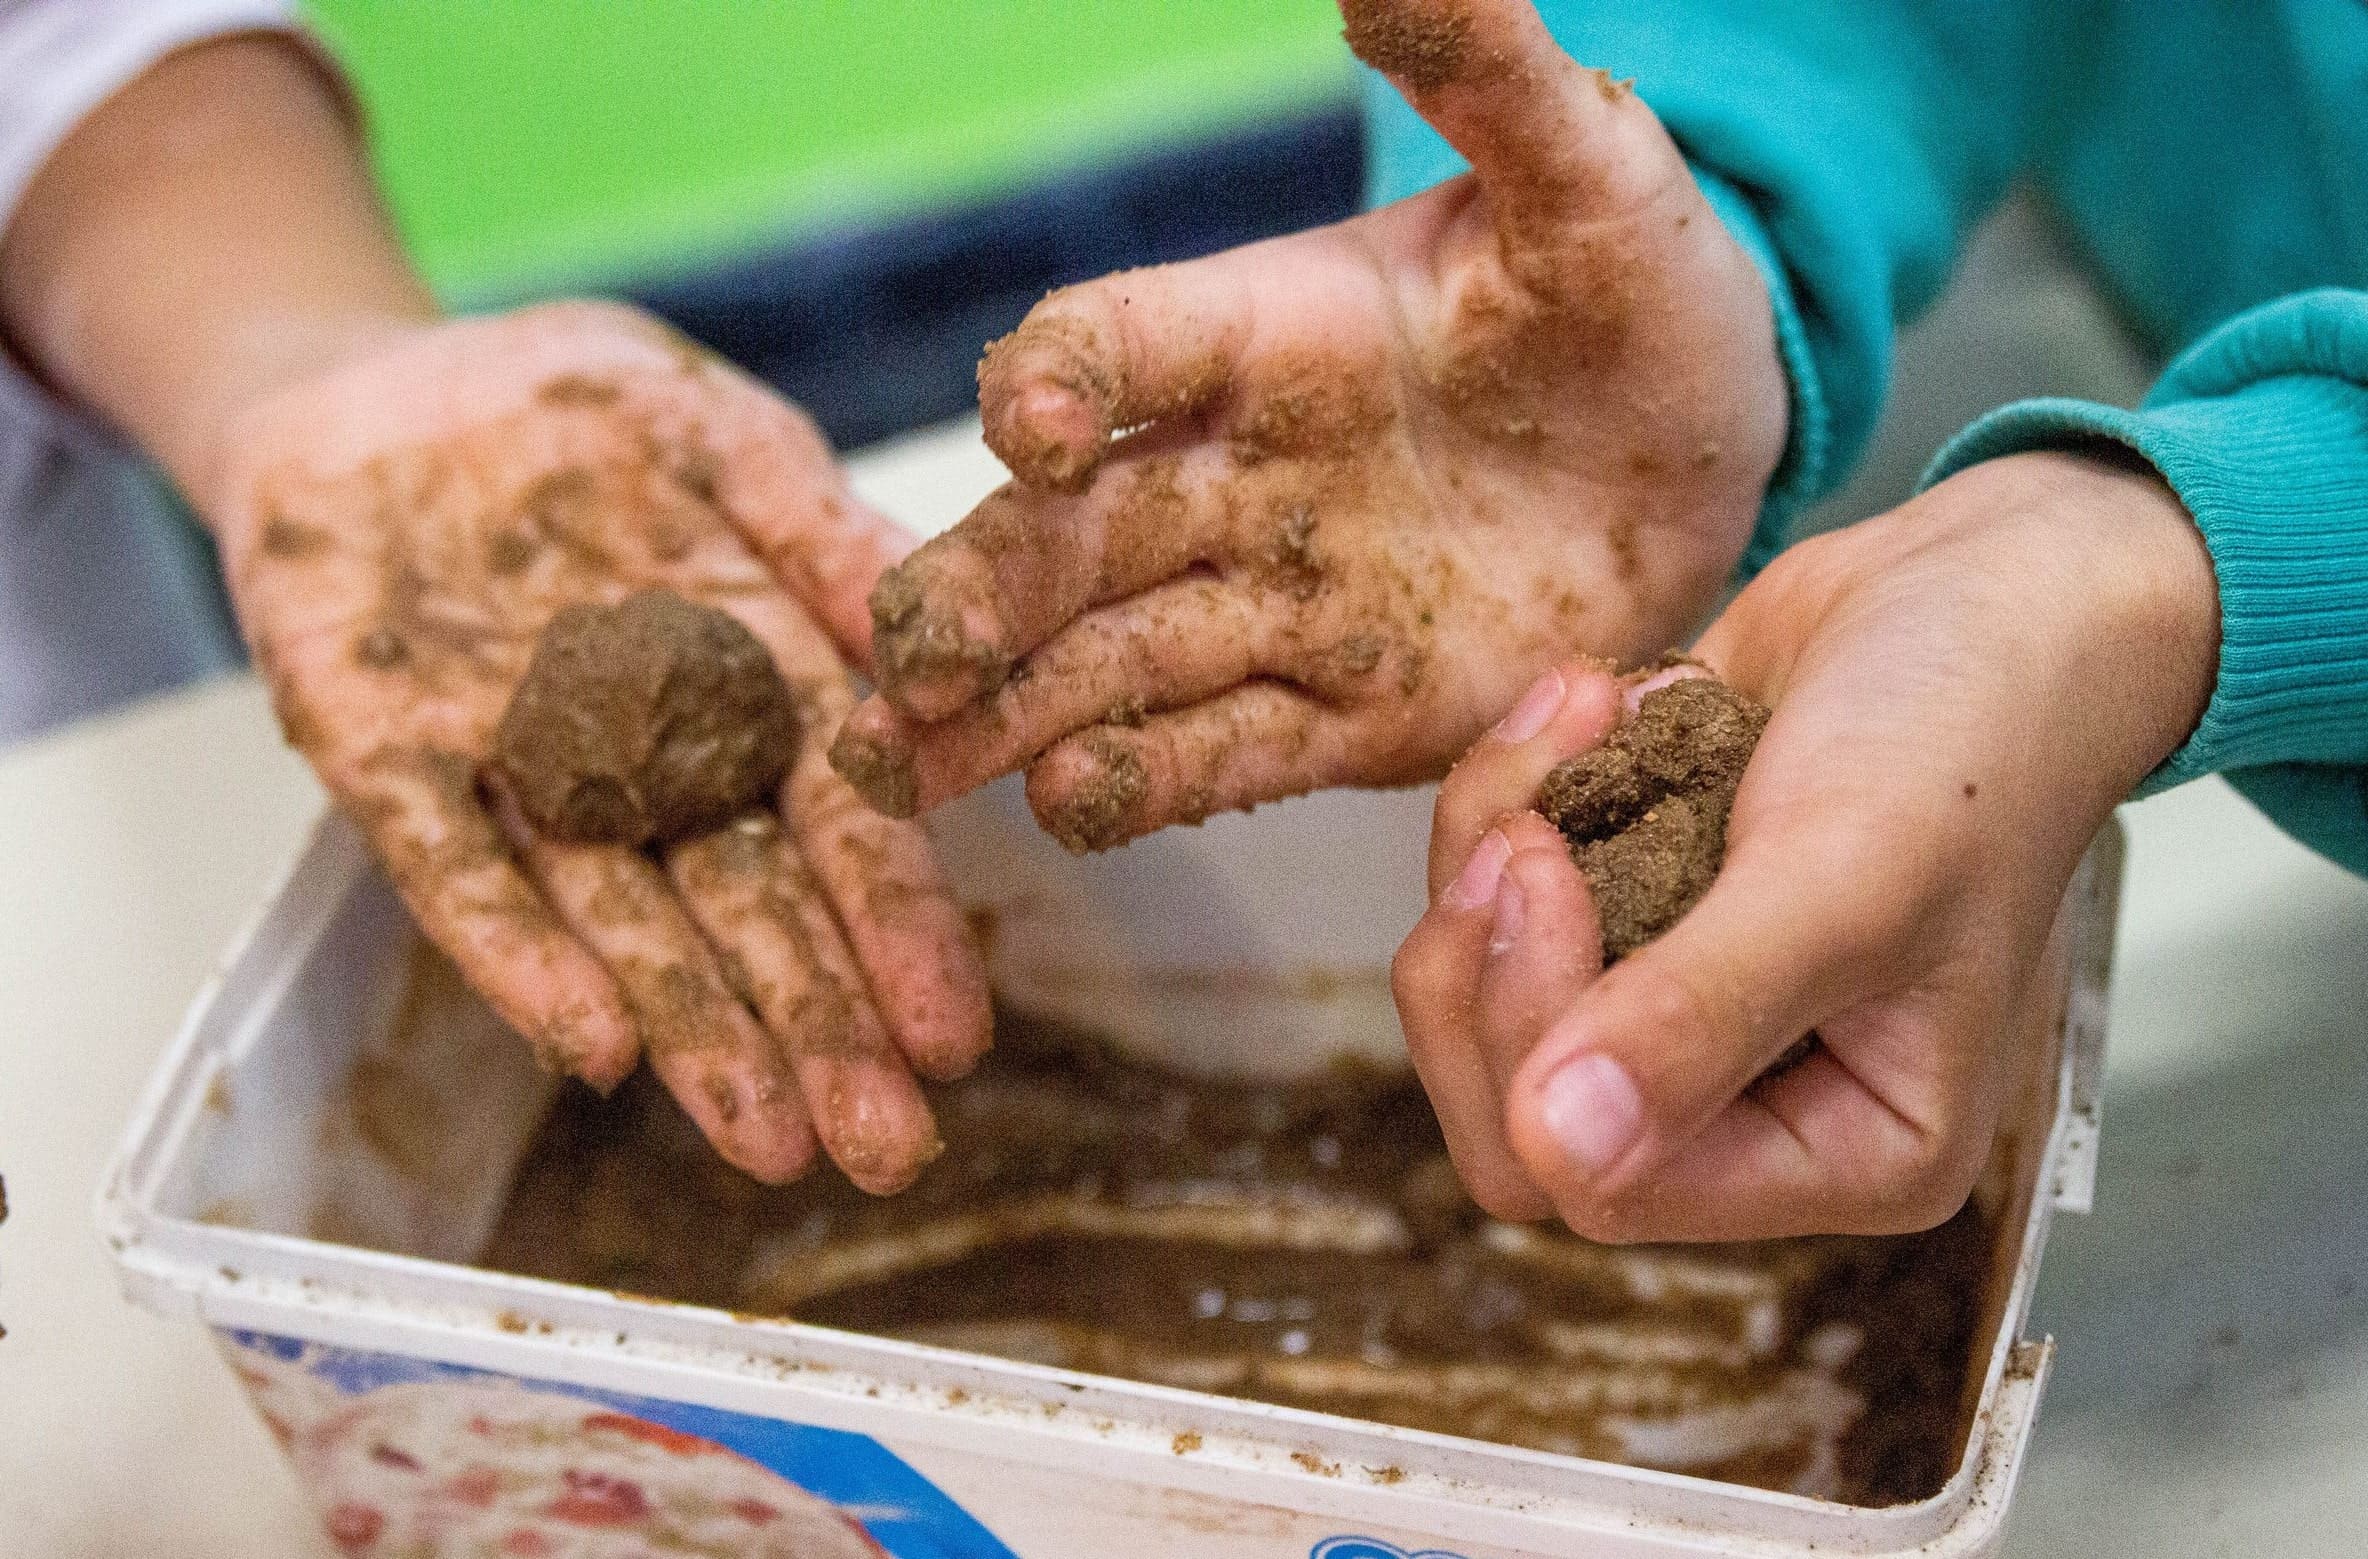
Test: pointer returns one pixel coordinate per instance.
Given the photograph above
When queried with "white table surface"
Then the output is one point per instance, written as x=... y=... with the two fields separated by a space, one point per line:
x=2211 y=1395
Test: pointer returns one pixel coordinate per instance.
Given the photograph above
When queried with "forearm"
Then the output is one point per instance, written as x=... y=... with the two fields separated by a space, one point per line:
x=206 y=236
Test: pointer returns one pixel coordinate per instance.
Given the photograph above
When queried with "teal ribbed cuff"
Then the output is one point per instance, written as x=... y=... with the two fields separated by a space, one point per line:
x=2261 y=429
x=1802 y=475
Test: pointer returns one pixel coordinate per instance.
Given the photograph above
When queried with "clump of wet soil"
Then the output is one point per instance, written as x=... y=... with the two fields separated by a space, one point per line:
x=1646 y=812
x=1304 y=1244
x=1420 y=45
x=645 y=721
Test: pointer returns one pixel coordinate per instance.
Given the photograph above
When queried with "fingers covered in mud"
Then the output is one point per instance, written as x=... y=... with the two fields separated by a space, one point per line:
x=1096 y=359
x=1261 y=742
x=1170 y=646
x=900 y=918
x=454 y=869
x=729 y=1076
x=951 y=621
x=782 y=954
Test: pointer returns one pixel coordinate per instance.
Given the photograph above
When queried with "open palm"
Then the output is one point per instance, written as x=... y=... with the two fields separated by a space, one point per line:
x=397 y=536
x=1316 y=510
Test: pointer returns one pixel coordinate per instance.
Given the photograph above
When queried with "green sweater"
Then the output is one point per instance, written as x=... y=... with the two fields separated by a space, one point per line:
x=2211 y=158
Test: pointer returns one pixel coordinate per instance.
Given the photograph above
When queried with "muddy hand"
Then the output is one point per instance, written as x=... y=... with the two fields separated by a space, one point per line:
x=397 y=535
x=1963 y=689
x=1314 y=511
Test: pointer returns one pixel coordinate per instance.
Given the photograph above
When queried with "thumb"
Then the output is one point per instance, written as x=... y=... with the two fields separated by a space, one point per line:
x=1797 y=923
x=1550 y=140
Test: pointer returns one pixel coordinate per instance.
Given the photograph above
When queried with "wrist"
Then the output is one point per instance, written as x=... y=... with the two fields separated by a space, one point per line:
x=2128 y=569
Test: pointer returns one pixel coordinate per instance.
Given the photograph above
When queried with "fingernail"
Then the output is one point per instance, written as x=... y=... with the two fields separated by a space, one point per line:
x=1537 y=706
x=1634 y=694
x=1476 y=884
x=1592 y=1109
x=1511 y=908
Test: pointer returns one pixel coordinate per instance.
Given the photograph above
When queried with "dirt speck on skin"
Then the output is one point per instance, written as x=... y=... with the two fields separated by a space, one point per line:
x=880 y=772
x=649 y=720
x=1422 y=46
x=293 y=539
x=1094 y=815
x=914 y=644
x=573 y=389
x=381 y=649
x=1066 y=353
x=1646 y=812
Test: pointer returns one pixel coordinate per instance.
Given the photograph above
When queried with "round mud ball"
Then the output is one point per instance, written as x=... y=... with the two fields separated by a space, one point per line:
x=644 y=722
x=1645 y=814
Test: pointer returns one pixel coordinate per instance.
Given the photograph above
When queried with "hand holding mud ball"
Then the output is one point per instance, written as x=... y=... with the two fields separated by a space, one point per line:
x=1896 y=852
x=661 y=862
x=543 y=598
x=1313 y=512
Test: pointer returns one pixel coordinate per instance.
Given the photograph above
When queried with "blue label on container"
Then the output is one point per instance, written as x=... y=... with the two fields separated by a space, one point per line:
x=1372 y=1548
x=406 y=1455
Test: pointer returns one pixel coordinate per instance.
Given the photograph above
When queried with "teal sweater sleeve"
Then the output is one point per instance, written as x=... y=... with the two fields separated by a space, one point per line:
x=2212 y=161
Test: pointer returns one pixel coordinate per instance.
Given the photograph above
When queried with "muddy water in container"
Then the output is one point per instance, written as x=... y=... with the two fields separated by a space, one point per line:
x=1209 y=1289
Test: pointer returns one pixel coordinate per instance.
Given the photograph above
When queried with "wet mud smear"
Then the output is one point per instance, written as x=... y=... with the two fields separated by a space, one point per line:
x=646 y=721
x=1306 y=1245
x=1646 y=812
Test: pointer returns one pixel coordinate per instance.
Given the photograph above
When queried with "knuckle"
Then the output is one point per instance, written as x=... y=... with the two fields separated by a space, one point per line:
x=1595 y=1214
x=1416 y=975
x=1505 y=1195
x=1670 y=1008
x=1927 y=1180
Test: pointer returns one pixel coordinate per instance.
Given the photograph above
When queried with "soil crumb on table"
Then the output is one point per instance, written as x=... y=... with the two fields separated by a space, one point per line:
x=644 y=722
x=1306 y=1245
x=1646 y=812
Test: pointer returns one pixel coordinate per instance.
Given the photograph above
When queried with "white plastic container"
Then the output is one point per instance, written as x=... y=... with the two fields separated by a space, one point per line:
x=429 y=1404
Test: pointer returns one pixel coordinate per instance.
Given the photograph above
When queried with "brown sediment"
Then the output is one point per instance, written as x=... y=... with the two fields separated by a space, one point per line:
x=912 y=644
x=1291 y=557
x=1646 y=812
x=1067 y=353
x=1420 y=45
x=293 y=539
x=381 y=649
x=1095 y=813
x=420 y=807
x=1305 y=1244
x=650 y=720
x=508 y=550
x=882 y=773
x=1561 y=313
x=575 y=389
x=1318 y=408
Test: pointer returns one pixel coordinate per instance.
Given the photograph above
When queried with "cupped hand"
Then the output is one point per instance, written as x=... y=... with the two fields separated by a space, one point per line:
x=1313 y=511
x=1963 y=690
x=396 y=535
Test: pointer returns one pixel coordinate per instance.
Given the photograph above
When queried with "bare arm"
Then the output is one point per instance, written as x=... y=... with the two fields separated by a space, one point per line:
x=208 y=235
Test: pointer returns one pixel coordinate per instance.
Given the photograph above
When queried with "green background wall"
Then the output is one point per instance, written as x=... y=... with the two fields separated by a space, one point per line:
x=533 y=143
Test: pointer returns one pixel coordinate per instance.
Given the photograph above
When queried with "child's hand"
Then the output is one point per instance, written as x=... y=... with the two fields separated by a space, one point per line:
x=1372 y=478
x=397 y=533
x=1963 y=690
